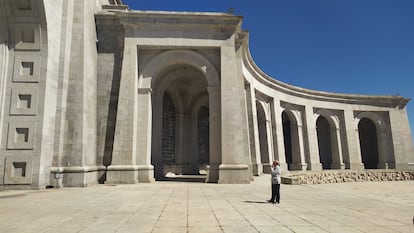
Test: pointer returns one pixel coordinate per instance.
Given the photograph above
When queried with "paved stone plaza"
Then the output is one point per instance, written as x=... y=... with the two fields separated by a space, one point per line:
x=199 y=207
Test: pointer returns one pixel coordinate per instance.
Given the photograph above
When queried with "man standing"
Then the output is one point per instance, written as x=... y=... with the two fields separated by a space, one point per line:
x=276 y=180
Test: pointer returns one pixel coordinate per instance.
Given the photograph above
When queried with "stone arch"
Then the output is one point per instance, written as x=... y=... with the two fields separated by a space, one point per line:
x=291 y=134
x=175 y=57
x=374 y=141
x=329 y=139
x=176 y=72
x=375 y=118
x=330 y=116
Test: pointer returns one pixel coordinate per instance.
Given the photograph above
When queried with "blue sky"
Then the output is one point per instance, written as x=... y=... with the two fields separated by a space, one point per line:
x=345 y=46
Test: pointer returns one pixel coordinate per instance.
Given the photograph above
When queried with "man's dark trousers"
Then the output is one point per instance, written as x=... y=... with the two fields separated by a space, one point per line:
x=275 y=193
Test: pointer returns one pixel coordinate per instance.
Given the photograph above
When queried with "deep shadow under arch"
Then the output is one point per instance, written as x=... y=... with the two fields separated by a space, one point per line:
x=369 y=143
x=324 y=142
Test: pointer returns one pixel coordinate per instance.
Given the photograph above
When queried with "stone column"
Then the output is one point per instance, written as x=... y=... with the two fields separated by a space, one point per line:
x=156 y=142
x=215 y=139
x=144 y=134
x=187 y=140
x=278 y=140
x=314 y=163
x=78 y=103
x=270 y=154
x=4 y=60
x=123 y=168
x=235 y=165
x=383 y=148
x=298 y=148
x=180 y=143
x=254 y=135
x=354 y=146
x=402 y=140
x=337 y=159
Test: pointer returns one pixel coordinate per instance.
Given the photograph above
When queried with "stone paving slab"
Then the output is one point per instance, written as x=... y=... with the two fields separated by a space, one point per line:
x=197 y=207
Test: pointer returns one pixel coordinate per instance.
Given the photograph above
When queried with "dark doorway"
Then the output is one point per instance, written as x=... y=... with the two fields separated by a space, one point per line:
x=369 y=143
x=287 y=125
x=324 y=142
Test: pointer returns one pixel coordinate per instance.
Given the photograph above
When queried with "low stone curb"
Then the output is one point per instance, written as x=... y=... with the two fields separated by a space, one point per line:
x=340 y=176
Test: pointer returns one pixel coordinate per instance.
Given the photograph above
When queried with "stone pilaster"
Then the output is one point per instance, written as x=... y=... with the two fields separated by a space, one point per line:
x=257 y=167
x=314 y=163
x=123 y=168
x=270 y=148
x=337 y=159
x=215 y=138
x=143 y=142
x=402 y=139
x=298 y=148
x=354 y=147
x=234 y=166
x=279 y=143
x=80 y=127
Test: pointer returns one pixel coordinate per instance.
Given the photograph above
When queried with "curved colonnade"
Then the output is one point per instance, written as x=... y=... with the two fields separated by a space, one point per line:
x=91 y=92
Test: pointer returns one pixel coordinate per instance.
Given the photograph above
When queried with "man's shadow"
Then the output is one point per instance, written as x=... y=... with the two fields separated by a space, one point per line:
x=256 y=202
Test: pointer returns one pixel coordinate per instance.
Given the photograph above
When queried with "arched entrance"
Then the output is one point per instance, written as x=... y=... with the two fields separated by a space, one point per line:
x=180 y=122
x=291 y=140
x=324 y=142
x=192 y=83
x=369 y=143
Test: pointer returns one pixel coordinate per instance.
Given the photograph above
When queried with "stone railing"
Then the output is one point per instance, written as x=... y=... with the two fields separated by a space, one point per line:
x=339 y=176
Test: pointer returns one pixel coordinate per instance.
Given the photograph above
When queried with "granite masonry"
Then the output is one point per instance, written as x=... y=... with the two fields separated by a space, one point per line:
x=92 y=92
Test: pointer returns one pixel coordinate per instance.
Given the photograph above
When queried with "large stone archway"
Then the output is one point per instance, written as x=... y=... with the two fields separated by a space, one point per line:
x=292 y=135
x=191 y=81
x=324 y=142
x=179 y=94
x=329 y=140
x=369 y=143
x=375 y=141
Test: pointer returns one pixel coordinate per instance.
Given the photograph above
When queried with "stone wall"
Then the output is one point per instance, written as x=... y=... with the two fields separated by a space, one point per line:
x=325 y=177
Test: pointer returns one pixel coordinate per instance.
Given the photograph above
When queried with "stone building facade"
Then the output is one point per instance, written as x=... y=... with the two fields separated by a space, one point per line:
x=92 y=92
